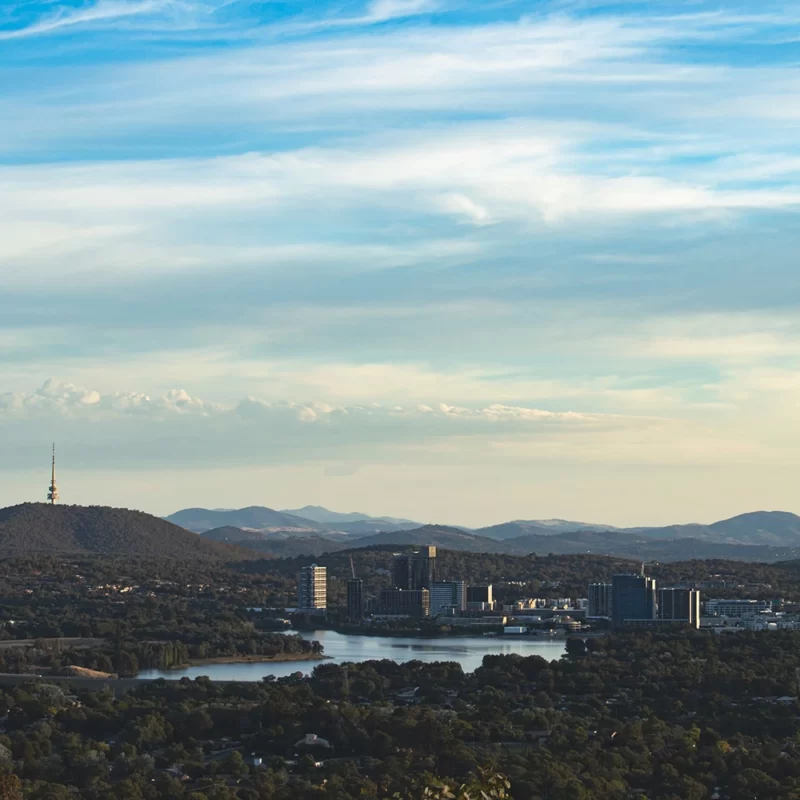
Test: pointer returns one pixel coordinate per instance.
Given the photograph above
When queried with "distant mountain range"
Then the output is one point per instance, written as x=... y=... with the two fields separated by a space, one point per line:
x=539 y=527
x=38 y=528
x=332 y=518
x=255 y=517
x=772 y=528
x=438 y=535
x=757 y=536
x=279 y=544
x=261 y=518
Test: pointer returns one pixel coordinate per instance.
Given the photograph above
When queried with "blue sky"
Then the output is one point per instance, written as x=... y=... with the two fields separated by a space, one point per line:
x=451 y=260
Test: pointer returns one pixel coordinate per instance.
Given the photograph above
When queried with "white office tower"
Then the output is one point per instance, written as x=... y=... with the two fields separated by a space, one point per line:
x=312 y=588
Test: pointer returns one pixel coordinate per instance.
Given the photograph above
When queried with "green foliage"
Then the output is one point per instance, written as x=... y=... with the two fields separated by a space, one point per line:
x=10 y=786
x=484 y=787
x=46 y=529
x=653 y=715
x=133 y=614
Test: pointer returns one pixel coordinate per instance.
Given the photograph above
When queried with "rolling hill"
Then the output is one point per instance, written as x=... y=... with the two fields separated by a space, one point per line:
x=757 y=536
x=539 y=527
x=760 y=527
x=333 y=519
x=438 y=535
x=765 y=528
x=291 y=547
x=769 y=528
x=256 y=517
x=278 y=543
x=228 y=533
x=366 y=527
x=260 y=518
x=632 y=546
x=40 y=528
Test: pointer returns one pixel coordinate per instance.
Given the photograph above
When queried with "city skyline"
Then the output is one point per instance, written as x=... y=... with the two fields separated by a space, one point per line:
x=440 y=260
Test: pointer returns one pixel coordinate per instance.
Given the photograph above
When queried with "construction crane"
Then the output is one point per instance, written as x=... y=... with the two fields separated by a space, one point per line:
x=352 y=567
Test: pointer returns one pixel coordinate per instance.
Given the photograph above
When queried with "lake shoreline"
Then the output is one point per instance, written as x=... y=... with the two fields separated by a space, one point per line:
x=281 y=658
x=468 y=651
x=426 y=635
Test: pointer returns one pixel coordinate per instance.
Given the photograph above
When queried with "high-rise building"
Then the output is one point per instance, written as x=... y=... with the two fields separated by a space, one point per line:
x=355 y=598
x=401 y=571
x=312 y=588
x=633 y=597
x=680 y=605
x=599 y=601
x=416 y=570
x=405 y=602
x=447 y=595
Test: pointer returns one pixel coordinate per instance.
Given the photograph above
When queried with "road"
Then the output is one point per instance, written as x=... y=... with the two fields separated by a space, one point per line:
x=72 y=642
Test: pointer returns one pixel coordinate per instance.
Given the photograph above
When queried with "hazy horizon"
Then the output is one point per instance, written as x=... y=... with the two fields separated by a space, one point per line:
x=483 y=521
x=434 y=259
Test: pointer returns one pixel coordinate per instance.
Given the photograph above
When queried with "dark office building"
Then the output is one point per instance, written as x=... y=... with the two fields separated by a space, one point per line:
x=448 y=596
x=632 y=597
x=414 y=571
x=680 y=605
x=599 y=600
x=405 y=602
x=355 y=598
x=479 y=594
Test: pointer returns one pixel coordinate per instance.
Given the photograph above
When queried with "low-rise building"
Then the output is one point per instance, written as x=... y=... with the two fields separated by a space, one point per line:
x=735 y=608
x=484 y=622
x=405 y=602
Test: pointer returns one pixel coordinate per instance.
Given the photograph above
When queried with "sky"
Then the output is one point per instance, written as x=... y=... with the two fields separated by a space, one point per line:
x=462 y=262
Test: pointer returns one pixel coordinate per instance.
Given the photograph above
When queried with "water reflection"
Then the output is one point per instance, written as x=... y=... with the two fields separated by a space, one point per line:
x=468 y=651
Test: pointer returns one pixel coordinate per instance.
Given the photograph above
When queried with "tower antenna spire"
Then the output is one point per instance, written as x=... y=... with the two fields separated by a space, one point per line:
x=52 y=493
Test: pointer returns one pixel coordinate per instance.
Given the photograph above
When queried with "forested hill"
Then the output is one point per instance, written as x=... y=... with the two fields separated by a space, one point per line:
x=34 y=528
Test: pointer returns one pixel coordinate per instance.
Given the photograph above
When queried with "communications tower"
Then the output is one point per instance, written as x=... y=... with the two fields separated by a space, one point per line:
x=52 y=492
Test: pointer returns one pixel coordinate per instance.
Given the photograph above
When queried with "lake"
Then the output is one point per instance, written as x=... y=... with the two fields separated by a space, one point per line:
x=467 y=650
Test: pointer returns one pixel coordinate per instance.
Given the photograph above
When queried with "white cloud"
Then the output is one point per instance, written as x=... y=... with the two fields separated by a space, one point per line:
x=382 y=10
x=461 y=205
x=348 y=152
x=55 y=397
x=177 y=428
x=140 y=216
x=68 y=399
x=562 y=151
x=103 y=11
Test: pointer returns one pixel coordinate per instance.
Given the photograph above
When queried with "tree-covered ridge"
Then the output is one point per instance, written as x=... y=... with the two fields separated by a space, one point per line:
x=135 y=614
x=649 y=717
x=40 y=528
